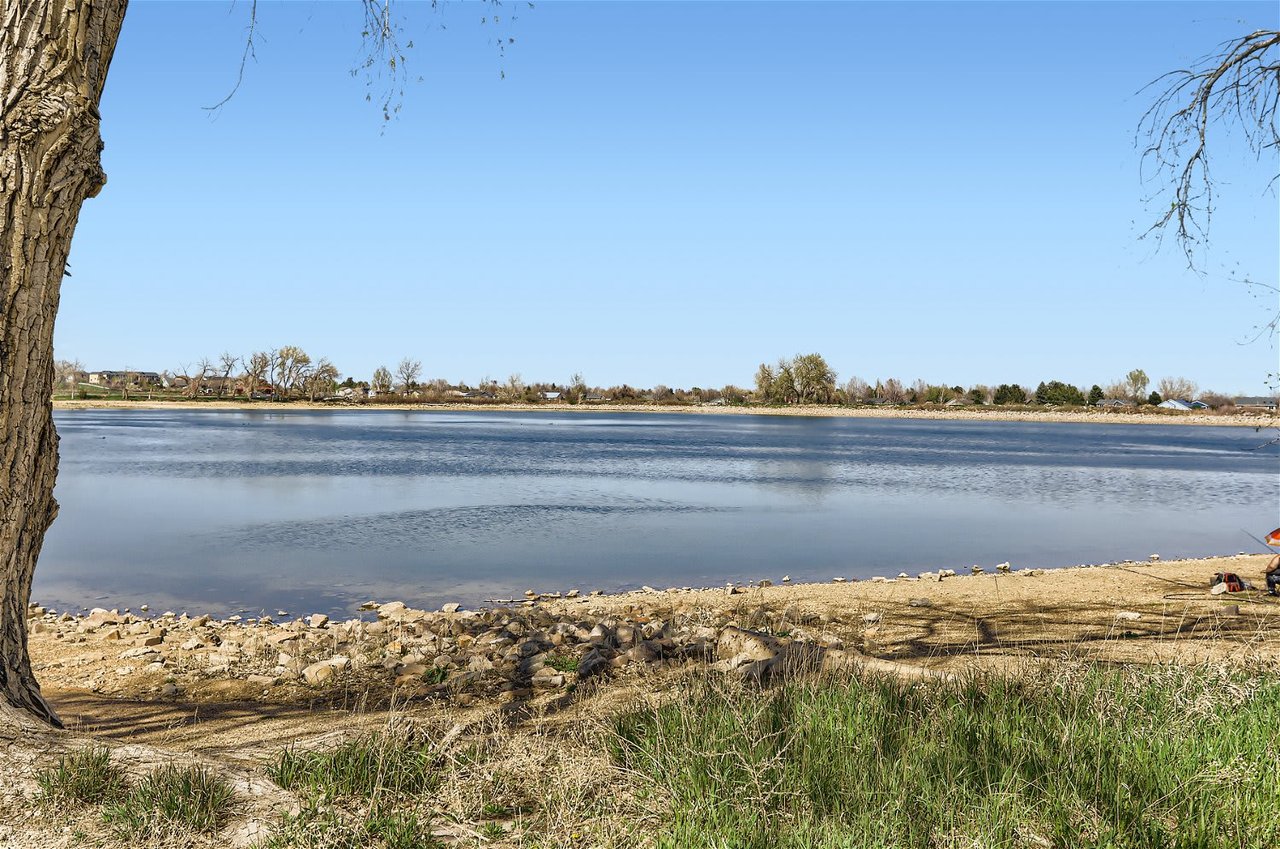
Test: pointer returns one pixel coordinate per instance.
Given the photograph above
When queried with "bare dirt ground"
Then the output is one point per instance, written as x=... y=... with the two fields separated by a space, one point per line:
x=192 y=701
x=1241 y=418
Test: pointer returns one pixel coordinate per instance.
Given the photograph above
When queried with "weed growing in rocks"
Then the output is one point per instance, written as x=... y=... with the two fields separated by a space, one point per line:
x=563 y=662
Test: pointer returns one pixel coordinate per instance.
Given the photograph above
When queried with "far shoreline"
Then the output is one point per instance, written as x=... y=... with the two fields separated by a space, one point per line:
x=1256 y=420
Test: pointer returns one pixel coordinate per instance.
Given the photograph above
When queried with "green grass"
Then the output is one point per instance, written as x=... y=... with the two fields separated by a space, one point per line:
x=368 y=766
x=324 y=826
x=562 y=662
x=1167 y=758
x=384 y=772
x=84 y=777
x=171 y=801
x=492 y=831
x=495 y=812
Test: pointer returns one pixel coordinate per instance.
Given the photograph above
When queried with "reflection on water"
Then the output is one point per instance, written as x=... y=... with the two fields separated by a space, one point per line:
x=320 y=510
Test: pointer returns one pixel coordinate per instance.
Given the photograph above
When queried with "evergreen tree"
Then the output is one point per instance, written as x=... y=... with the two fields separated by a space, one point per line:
x=1062 y=394
x=1095 y=395
x=1010 y=393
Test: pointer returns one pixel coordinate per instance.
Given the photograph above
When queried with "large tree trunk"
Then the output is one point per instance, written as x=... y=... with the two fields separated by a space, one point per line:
x=54 y=56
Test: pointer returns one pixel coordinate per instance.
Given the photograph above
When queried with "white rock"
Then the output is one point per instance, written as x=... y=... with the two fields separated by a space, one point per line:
x=318 y=673
x=392 y=609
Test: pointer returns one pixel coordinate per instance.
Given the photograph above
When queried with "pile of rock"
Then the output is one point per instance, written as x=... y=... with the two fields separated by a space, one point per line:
x=504 y=652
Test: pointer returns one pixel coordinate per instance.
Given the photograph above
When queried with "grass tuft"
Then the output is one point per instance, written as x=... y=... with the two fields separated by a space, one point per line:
x=385 y=770
x=171 y=801
x=84 y=777
x=368 y=766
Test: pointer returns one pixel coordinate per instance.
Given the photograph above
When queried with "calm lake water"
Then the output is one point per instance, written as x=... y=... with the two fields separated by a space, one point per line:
x=317 y=511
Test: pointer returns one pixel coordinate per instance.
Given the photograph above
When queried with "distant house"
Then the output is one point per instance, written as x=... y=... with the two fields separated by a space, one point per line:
x=958 y=402
x=478 y=394
x=1256 y=402
x=217 y=385
x=120 y=378
x=594 y=398
x=1114 y=402
x=550 y=396
x=1176 y=404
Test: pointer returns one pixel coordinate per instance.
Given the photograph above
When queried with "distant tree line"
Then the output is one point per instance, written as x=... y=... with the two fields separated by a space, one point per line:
x=289 y=372
x=808 y=379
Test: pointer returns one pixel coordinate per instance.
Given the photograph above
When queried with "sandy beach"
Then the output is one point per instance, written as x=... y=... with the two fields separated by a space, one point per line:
x=1254 y=419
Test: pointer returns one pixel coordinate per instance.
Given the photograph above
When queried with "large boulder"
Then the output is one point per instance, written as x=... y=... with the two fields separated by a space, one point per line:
x=740 y=646
x=324 y=671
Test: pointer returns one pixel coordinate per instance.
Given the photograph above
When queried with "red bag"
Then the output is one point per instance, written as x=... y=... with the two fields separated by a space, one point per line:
x=1233 y=581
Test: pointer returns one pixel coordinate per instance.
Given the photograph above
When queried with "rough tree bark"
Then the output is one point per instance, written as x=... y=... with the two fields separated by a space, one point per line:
x=54 y=56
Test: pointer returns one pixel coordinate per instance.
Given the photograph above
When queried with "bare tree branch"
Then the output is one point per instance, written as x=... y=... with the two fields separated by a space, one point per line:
x=248 y=54
x=1236 y=86
x=383 y=58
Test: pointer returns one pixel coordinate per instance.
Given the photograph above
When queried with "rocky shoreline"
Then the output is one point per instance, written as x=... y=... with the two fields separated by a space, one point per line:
x=503 y=653
x=547 y=643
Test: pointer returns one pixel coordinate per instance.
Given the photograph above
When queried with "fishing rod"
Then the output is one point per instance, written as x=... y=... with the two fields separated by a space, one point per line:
x=1265 y=547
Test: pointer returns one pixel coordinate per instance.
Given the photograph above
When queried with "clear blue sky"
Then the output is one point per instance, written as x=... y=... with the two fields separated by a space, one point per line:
x=666 y=192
